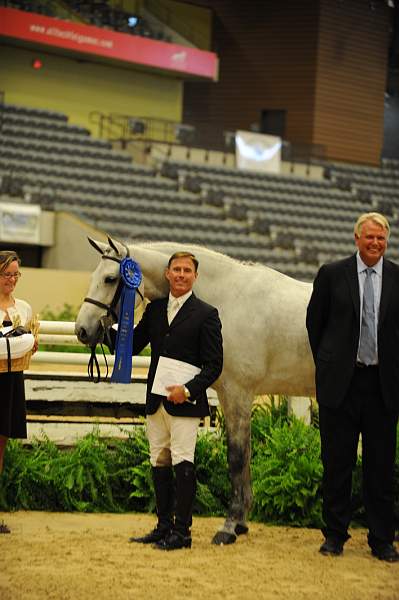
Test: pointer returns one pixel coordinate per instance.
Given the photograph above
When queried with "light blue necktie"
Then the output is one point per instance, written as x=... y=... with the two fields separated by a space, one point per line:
x=368 y=348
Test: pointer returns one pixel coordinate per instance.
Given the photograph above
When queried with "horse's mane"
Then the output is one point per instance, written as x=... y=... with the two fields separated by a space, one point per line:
x=168 y=248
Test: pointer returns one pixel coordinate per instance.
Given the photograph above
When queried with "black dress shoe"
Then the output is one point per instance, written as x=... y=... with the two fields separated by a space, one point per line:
x=4 y=528
x=386 y=552
x=174 y=541
x=332 y=547
x=156 y=535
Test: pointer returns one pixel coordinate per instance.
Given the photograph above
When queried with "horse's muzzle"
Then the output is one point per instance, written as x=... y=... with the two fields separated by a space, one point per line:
x=87 y=338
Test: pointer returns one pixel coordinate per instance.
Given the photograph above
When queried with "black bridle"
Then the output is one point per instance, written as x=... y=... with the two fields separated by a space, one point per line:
x=106 y=322
x=110 y=308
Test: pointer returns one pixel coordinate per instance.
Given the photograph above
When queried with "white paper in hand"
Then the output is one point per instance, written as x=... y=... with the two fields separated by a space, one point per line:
x=172 y=372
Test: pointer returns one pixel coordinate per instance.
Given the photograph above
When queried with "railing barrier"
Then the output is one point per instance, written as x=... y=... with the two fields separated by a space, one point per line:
x=63 y=333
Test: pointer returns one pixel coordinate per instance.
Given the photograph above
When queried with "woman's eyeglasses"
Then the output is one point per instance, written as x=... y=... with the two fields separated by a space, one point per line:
x=16 y=275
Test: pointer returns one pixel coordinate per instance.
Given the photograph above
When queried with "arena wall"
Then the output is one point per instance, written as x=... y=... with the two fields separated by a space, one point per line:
x=71 y=249
x=77 y=87
x=52 y=288
x=351 y=79
x=323 y=62
x=67 y=265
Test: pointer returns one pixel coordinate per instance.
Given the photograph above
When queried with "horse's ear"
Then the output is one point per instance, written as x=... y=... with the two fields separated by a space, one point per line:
x=99 y=246
x=114 y=245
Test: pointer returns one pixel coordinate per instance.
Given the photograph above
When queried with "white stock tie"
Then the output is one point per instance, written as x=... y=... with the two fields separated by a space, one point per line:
x=368 y=348
x=173 y=308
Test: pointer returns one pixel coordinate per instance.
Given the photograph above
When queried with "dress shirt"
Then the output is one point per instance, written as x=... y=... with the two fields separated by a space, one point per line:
x=175 y=304
x=376 y=279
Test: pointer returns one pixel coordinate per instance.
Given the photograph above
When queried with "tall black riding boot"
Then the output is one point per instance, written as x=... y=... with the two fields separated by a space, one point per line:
x=186 y=486
x=164 y=497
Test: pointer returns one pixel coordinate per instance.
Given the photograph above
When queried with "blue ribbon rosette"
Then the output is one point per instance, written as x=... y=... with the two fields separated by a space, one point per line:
x=131 y=277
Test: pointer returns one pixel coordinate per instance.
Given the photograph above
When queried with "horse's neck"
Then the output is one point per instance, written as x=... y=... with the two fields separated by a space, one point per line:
x=153 y=265
x=153 y=262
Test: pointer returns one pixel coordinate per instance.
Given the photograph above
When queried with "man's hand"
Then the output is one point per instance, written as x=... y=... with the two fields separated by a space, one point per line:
x=176 y=394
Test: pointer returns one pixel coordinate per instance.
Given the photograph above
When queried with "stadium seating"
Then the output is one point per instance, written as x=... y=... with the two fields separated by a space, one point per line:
x=314 y=213
x=289 y=223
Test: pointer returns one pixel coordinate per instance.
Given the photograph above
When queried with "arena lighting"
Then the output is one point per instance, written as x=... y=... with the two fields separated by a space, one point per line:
x=132 y=21
x=37 y=64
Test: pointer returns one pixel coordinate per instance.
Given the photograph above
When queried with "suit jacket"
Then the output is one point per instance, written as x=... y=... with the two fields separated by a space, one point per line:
x=333 y=324
x=194 y=336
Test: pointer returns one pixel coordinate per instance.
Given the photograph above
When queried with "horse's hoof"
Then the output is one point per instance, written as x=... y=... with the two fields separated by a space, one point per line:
x=240 y=529
x=222 y=537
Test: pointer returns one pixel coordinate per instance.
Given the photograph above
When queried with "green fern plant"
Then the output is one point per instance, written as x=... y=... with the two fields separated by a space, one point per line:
x=115 y=475
x=287 y=473
x=213 y=485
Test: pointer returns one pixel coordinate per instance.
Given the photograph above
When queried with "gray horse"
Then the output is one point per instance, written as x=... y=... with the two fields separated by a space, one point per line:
x=266 y=349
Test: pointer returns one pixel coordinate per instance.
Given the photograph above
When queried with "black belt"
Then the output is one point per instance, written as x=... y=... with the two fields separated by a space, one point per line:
x=361 y=365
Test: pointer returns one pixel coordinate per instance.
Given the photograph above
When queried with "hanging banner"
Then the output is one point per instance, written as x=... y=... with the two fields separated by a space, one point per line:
x=20 y=223
x=258 y=152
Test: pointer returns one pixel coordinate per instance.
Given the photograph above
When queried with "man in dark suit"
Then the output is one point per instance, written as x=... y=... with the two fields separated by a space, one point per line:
x=184 y=328
x=353 y=327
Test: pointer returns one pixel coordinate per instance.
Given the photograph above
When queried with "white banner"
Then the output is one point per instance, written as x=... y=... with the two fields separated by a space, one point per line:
x=20 y=223
x=258 y=152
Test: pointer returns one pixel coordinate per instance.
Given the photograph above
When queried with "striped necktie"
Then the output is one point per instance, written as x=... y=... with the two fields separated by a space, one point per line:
x=368 y=347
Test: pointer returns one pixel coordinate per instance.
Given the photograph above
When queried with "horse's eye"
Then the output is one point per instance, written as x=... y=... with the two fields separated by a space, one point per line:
x=110 y=279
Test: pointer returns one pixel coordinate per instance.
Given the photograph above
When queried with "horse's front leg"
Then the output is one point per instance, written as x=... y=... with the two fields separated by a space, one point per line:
x=236 y=404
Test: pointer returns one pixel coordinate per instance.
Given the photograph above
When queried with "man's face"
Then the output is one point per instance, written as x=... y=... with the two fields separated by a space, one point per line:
x=372 y=242
x=181 y=276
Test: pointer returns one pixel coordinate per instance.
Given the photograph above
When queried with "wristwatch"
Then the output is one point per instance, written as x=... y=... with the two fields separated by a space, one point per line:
x=187 y=393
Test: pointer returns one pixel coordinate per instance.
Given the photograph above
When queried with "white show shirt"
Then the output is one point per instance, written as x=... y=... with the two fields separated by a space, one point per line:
x=175 y=304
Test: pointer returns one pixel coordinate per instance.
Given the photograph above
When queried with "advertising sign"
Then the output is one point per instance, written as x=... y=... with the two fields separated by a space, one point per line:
x=31 y=27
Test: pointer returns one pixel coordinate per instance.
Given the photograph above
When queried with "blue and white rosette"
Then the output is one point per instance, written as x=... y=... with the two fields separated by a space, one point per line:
x=131 y=277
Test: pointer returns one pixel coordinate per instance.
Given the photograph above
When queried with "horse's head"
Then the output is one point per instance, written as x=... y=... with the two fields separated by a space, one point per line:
x=100 y=308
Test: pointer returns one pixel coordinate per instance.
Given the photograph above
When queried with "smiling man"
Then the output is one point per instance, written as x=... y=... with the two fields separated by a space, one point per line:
x=179 y=328
x=353 y=327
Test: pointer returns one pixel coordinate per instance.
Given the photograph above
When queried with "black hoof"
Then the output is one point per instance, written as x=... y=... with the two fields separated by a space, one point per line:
x=222 y=538
x=240 y=529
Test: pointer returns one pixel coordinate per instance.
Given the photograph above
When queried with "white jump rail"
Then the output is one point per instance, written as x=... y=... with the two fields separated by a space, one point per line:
x=59 y=333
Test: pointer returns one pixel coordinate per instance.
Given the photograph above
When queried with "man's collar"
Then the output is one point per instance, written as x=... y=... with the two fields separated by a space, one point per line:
x=181 y=299
x=361 y=266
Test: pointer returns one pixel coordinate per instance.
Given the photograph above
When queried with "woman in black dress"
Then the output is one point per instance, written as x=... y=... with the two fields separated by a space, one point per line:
x=12 y=391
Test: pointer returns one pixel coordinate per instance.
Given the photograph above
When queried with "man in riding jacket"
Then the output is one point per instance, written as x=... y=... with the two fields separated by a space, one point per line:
x=183 y=328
